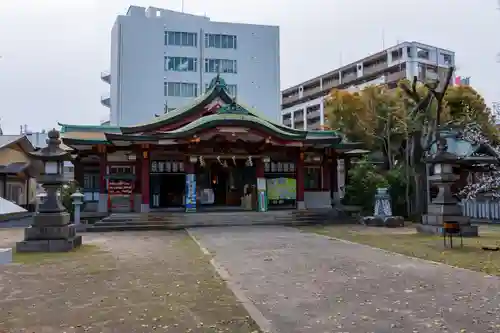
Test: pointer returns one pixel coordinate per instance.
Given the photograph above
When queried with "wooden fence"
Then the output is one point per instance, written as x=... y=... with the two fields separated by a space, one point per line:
x=482 y=210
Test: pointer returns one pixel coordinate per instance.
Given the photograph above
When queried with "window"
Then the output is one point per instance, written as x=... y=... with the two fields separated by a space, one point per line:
x=120 y=170
x=422 y=53
x=219 y=41
x=14 y=193
x=408 y=51
x=91 y=186
x=176 y=38
x=220 y=65
x=232 y=89
x=180 y=89
x=447 y=58
x=312 y=178
x=181 y=64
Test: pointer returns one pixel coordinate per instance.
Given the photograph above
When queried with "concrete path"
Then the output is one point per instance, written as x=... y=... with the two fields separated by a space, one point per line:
x=304 y=282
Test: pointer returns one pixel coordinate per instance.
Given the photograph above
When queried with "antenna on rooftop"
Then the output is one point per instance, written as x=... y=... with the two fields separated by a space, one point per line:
x=182 y=6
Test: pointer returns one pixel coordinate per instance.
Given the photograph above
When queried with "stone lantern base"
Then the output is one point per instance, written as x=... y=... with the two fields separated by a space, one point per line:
x=50 y=232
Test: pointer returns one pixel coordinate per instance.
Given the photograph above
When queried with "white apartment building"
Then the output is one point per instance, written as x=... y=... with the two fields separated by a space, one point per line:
x=164 y=58
x=302 y=105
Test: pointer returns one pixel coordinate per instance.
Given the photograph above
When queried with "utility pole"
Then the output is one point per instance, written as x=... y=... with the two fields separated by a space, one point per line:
x=496 y=104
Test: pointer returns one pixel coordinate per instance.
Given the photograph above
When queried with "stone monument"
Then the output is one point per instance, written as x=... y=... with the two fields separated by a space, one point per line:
x=50 y=230
x=382 y=212
x=445 y=207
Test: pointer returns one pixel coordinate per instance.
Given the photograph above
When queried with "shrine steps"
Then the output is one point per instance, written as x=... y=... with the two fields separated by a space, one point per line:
x=174 y=221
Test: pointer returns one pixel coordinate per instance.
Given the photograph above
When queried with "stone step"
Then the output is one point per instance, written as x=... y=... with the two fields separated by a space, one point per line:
x=177 y=226
x=159 y=221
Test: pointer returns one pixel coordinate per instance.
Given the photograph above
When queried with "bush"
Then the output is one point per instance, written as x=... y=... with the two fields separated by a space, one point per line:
x=397 y=189
x=66 y=191
x=365 y=178
x=363 y=183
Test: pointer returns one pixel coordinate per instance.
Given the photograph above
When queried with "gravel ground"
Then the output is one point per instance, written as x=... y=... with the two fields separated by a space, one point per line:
x=118 y=282
x=304 y=282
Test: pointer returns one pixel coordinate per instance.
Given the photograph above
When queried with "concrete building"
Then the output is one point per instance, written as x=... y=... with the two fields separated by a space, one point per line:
x=162 y=59
x=302 y=105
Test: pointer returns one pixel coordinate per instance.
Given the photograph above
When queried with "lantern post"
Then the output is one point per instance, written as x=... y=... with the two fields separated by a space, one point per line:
x=51 y=230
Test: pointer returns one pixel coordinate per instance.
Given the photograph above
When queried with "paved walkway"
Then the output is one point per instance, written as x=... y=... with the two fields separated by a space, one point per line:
x=304 y=282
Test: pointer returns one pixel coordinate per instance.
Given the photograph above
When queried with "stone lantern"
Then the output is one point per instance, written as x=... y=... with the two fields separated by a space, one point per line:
x=50 y=230
x=444 y=208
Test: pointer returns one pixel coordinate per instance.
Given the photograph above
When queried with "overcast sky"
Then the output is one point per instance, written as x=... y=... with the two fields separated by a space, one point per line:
x=54 y=50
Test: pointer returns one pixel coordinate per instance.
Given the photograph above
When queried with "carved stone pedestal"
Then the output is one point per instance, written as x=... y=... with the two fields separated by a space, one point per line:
x=445 y=208
x=50 y=233
x=382 y=215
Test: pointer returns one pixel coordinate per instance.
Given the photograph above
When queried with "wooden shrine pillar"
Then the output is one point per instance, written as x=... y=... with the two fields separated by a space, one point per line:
x=299 y=179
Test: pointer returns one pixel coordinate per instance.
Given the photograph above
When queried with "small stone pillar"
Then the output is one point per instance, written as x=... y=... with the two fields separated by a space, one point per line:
x=5 y=256
x=77 y=202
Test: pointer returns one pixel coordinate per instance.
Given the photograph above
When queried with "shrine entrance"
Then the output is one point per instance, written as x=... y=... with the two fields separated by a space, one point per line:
x=168 y=182
x=223 y=183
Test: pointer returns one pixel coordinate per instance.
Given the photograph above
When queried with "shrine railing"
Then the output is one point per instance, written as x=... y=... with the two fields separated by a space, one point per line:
x=482 y=210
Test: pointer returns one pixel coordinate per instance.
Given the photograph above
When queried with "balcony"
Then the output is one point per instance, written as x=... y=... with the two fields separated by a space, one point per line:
x=313 y=114
x=330 y=84
x=349 y=77
x=290 y=99
x=298 y=116
x=106 y=100
x=106 y=76
x=311 y=91
x=374 y=68
x=395 y=76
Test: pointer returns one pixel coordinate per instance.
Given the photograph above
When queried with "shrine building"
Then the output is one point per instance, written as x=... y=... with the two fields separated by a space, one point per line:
x=212 y=154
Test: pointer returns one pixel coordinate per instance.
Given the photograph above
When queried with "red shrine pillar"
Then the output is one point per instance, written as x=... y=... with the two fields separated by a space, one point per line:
x=334 y=179
x=137 y=184
x=103 y=203
x=299 y=179
x=145 y=191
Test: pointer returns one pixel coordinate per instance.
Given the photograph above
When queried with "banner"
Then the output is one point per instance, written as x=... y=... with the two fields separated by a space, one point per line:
x=190 y=193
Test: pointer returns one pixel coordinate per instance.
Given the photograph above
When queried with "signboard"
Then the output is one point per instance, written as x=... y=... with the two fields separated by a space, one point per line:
x=190 y=193
x=120 y=187
x=166 y=167
x=120 y=195
x=281 y=189
x=279 y=167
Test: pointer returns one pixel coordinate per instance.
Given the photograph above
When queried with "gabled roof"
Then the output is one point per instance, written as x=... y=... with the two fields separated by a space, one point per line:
x=230 y=113
x=22 y=140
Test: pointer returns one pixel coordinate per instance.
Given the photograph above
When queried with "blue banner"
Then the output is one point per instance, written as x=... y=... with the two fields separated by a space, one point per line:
x=190 y=192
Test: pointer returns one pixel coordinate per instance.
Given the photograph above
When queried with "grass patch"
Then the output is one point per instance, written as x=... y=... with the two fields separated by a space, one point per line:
x=407 y=242
x=43 y=257
x=131 y=282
